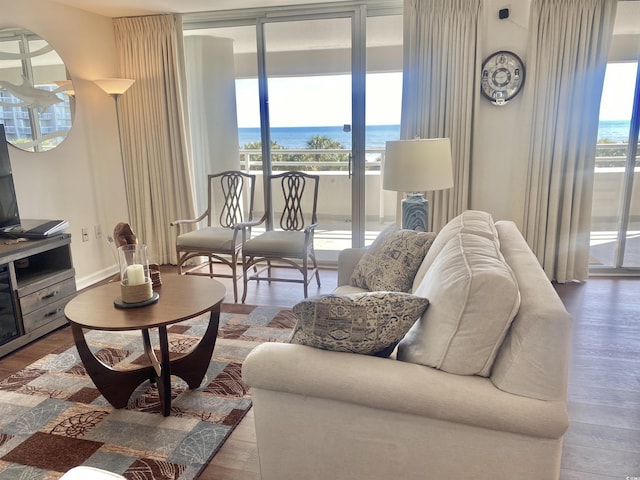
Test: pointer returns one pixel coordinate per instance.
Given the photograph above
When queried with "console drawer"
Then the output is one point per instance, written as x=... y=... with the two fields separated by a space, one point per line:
x=44 y=315
x=47 y=296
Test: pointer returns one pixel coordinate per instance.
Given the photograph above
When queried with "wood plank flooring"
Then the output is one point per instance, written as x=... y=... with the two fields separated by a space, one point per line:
x=603 y=440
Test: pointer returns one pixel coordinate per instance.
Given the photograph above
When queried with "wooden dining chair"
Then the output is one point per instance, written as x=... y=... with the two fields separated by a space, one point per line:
x=230 y=197
x=294 y=198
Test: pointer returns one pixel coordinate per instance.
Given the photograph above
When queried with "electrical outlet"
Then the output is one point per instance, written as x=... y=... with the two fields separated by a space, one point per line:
x=85 y=234
x=98 y=231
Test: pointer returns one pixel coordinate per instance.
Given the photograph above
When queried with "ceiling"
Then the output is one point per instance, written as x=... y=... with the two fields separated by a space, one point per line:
x=124 y=8
x=627 y=20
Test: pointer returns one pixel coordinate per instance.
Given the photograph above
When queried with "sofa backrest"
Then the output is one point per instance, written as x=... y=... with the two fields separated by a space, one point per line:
x=473 y=298
x=476 y=222
x=533 y=360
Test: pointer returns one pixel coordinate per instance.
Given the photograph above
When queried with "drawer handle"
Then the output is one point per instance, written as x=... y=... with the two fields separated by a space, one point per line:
x=50 y=295
x=51 y=314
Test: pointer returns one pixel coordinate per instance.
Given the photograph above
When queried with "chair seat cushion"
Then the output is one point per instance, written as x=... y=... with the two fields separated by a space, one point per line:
x=208 y=238
x=370 y=323
x=277 y=243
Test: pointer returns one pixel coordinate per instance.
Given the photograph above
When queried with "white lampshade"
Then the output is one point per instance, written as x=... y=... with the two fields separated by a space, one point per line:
x=420 y=165
x=114 y=86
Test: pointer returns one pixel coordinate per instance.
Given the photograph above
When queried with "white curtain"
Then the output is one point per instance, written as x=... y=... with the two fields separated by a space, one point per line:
x=569 y=42
x=154 y=125
x=440 y=88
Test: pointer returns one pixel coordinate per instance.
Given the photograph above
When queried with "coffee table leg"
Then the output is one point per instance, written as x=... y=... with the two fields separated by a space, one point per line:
x=192 y=366
x=148 y=349
x=114 y=385
x=164 y=376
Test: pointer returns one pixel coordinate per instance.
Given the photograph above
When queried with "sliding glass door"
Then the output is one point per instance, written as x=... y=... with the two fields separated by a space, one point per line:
x=309 y=96
x=301 y=88
x=615 y=232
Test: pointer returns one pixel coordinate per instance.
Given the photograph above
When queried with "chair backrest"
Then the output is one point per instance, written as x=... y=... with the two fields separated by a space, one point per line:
x=230 y=195
x=296 y=195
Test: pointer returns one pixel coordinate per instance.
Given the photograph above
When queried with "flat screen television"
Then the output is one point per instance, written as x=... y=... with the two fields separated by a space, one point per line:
x=9 y=216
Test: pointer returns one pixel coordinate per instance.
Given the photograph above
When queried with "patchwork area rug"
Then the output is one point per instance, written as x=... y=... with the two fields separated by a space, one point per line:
x=52 y=417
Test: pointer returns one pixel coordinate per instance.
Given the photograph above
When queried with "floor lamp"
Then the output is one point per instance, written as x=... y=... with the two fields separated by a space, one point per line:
x=414 y=167
x=116 y=87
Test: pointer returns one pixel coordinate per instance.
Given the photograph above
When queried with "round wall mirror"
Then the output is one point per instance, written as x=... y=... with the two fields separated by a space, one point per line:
x=36 y=97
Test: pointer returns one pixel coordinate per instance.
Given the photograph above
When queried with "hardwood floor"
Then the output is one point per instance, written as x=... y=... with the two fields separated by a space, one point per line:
x=603 y=440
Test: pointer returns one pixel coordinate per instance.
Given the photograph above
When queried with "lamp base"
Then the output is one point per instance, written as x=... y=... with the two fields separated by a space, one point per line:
x=415 y=212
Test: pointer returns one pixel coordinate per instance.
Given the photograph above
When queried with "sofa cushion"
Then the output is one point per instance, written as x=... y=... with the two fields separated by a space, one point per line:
x=469 y=221
x=473 y=298
x=392 y=260
x=369 y=323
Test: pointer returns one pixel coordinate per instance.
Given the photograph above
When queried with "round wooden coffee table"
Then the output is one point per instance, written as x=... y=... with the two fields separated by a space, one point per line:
x=181 y=297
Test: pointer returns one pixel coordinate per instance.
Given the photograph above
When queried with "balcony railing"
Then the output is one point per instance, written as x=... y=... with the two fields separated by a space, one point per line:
x=614 y=155
x=609 y=155
x=287 y=159
x=335 y=192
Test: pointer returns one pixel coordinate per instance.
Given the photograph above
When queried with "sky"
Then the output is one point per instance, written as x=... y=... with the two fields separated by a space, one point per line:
x=319 y=100
x=326 y=100
x=617 y=93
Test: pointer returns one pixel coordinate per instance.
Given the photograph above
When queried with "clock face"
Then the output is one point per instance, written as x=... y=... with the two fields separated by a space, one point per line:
x=502 y=77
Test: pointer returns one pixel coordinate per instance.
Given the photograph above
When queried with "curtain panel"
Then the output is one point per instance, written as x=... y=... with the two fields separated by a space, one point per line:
x=154 y=125
x=568 y=47
x=440 y=89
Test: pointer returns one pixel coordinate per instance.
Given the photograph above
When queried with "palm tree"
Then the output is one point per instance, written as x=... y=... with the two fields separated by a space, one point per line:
x=258 y=146
x=321 y=142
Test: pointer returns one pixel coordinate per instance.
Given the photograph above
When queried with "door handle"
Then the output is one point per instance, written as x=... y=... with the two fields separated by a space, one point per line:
x=350 y=158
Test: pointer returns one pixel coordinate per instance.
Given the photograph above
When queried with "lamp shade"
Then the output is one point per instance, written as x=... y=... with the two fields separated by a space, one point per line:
x=114 y=86
x=419 y=165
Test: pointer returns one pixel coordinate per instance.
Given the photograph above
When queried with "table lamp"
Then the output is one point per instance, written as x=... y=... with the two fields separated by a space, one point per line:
x=414 y=167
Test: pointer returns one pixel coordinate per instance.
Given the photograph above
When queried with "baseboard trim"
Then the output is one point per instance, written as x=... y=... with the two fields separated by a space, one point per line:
x=89 y=280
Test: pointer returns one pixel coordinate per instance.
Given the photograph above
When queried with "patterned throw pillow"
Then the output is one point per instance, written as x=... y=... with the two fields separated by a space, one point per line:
x=392 y=260
x=369 y=323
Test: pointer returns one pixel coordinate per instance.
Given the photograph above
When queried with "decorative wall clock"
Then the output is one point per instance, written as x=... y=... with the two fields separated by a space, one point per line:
x=502 y=77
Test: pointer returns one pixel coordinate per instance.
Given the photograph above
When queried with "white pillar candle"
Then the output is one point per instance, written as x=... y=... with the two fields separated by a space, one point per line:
x=135 y=274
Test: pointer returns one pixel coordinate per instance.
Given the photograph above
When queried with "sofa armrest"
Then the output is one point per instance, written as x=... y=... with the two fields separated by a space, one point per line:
x=347 y=261
x=392 y=385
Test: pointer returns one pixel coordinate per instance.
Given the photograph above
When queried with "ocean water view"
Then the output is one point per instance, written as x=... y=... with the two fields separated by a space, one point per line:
x=616 y=131
x=297 y=137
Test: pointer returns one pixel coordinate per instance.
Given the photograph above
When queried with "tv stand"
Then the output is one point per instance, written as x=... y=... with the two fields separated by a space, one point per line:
x=38 y=281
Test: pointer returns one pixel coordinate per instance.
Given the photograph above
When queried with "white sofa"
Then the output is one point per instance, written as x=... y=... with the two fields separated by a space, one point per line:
x=90 y=473
x=323 y=414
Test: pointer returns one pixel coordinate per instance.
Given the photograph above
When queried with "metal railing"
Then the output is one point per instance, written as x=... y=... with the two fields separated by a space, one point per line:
x=609 y=167
x=608 y=155
x=286 y=159
x=613 y=155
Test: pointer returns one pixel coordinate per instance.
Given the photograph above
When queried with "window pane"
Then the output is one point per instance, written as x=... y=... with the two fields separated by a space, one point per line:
x=609 y=179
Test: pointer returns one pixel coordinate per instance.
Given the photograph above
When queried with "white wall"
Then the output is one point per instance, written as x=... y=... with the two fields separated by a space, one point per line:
x=81 y=180
x=213 y=118
x=499 y=162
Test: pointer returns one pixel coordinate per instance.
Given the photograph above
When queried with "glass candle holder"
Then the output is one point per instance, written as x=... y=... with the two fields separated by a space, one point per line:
x=135 y=281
